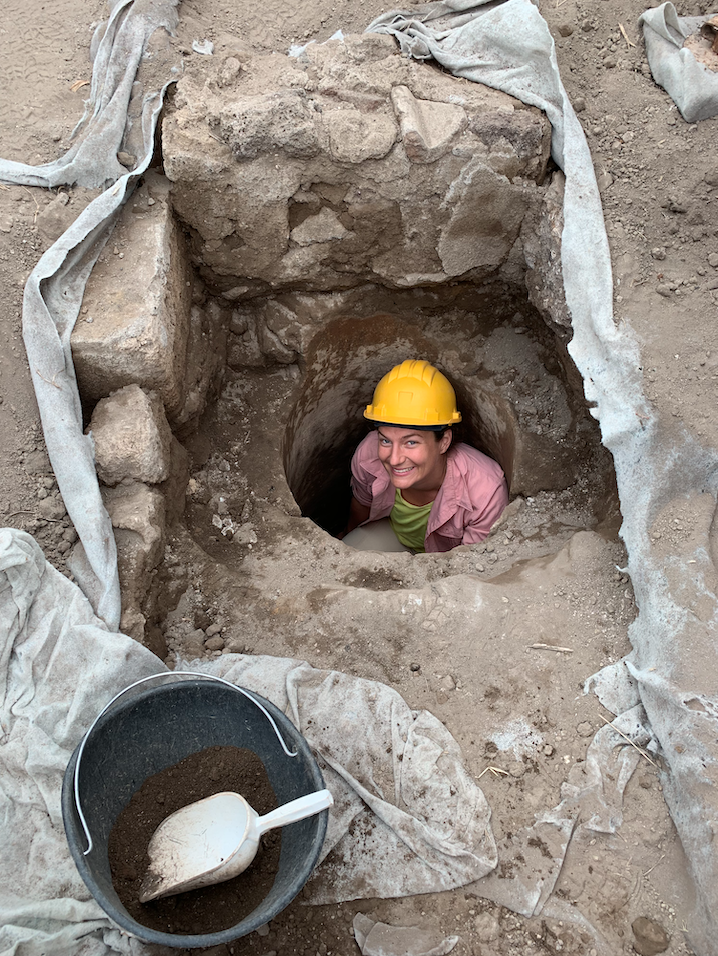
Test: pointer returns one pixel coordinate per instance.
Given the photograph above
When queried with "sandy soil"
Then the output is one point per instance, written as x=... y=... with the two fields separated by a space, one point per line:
x=658 y=177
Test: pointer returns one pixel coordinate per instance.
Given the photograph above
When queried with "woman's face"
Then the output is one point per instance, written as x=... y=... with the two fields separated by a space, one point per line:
x=413 y=459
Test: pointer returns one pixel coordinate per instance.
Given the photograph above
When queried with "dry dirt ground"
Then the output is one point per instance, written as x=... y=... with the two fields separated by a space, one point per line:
x=658 y=177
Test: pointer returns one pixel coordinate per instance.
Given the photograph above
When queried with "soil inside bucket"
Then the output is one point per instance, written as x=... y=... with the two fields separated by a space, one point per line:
x=212 y=908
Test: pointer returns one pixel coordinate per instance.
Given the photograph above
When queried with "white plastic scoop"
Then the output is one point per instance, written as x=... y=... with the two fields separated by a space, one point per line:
x=214 y=839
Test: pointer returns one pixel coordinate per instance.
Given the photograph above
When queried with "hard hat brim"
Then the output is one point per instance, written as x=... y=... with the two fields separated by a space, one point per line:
x=420 y=426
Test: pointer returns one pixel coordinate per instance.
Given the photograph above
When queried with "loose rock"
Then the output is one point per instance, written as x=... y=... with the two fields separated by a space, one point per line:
x=132 y=437
x=651 y=938
x=487 y=927
x=51 y=508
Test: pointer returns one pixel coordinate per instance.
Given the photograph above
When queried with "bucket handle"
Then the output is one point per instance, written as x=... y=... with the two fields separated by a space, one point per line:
x=143 y=680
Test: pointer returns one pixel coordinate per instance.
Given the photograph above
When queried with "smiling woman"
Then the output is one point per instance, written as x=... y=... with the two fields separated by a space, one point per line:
x=412 y=490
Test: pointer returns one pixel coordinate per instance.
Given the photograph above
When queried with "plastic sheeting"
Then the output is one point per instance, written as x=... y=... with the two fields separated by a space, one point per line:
x=690 y=84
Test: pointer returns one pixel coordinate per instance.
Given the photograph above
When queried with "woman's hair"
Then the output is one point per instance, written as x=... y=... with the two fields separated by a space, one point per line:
x=438 y=430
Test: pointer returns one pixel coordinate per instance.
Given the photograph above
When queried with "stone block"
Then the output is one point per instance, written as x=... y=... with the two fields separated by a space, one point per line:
x=132 y=623
x=138 y=516
x=541 y=236
x=483 y=223
x=131 y=436
x=427 y=129
x=346 y=166
x=323 y=227
x=355 y=137
x=135 y=318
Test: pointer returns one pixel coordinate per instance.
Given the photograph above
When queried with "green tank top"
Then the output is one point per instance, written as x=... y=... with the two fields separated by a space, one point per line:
x=409 y=522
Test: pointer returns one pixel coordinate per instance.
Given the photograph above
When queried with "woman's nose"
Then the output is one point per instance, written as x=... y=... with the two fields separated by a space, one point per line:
x=396 y=455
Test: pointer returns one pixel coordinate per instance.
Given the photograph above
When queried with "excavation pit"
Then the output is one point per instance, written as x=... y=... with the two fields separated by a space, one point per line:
x=514 y=409
x=324 y=218
x=285 y=435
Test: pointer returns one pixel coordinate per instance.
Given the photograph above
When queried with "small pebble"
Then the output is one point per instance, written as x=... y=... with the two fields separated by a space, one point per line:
x=415 y=667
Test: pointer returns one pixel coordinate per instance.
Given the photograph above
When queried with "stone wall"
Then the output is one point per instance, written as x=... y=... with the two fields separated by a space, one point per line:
x=148 y=349
x=350 y=164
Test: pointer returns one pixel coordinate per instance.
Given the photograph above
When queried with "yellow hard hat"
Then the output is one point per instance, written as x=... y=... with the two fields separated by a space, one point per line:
x=414 y=394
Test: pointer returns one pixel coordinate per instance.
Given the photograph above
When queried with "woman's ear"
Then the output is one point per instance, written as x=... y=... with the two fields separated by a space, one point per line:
x=445 y=441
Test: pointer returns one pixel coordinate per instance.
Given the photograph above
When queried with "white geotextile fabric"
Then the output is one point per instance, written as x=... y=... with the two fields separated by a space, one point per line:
x=690 y=84
x=508 y=46
x=54 y=290
x=428 y=828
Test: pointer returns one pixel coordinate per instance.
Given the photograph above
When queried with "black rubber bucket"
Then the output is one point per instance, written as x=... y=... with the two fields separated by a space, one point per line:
x=155 y=728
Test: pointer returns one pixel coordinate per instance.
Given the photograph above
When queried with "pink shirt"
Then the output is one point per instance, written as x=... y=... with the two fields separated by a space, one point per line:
x=471 y=498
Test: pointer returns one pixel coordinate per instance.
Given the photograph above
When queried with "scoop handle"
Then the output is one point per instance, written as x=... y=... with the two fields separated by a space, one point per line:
x=294 y=810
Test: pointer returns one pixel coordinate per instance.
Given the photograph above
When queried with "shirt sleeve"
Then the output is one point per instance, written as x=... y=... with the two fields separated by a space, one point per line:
x=361 y=480
x=481 y=522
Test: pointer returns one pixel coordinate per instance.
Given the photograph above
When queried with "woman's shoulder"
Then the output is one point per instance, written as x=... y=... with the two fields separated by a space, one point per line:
x=368 y=447
x=366 y=455
x=473 y=463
